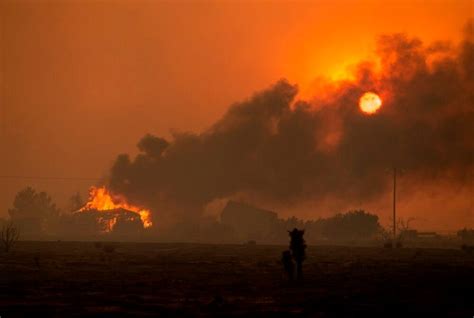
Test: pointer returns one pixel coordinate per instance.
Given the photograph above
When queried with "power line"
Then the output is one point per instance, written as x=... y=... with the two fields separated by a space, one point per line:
x=50 y=178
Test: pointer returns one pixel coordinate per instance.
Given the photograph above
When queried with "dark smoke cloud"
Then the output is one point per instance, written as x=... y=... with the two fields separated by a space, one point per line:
x=283 y=150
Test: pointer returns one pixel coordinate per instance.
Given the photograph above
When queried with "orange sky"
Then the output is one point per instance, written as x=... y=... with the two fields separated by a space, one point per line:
x=83 y=80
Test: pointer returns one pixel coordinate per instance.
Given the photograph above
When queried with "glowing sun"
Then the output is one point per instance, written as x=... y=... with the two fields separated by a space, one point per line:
x=370 y=103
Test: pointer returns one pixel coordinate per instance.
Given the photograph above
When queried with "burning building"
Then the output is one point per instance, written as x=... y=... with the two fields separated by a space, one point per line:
x=106 y=212
x=108 y=221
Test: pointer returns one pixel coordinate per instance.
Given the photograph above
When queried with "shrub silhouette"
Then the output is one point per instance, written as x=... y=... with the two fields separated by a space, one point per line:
x=298 y=247
x=288 y=265
x=9 y=236
x=353 y=225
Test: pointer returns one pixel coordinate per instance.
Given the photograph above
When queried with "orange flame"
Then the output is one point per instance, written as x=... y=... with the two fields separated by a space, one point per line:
x=101 y=199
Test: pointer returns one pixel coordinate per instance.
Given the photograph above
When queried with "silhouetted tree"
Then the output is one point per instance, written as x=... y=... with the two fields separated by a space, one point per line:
x=293 y=222
x=351 y=226
x=75 y=202
x=298 y=247
x=33 y=211
x=288 y=264
x=9 y=235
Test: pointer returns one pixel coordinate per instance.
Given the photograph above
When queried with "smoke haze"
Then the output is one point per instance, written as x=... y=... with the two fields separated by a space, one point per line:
x=277 y=150
x=83 y=81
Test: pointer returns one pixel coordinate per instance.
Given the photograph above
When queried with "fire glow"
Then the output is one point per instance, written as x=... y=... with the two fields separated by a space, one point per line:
x=101 y=199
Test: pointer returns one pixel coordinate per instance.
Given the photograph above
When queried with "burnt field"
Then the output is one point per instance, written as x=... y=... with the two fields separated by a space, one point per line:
x=81 y=279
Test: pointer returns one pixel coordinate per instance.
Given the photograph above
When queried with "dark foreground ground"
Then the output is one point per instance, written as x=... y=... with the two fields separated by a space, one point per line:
x=68 y=279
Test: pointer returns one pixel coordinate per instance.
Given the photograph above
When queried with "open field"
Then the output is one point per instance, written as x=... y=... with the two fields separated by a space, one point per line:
x=80 y=279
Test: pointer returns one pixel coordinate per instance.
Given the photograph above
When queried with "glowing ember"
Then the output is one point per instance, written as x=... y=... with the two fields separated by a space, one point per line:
x=107 y=223
x=370 y=103
x=101 y=199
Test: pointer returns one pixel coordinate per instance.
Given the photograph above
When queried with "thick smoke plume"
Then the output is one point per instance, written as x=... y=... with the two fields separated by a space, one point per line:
x=278 y=149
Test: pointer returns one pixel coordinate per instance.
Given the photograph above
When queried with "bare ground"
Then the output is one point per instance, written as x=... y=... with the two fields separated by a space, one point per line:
x=80 y=279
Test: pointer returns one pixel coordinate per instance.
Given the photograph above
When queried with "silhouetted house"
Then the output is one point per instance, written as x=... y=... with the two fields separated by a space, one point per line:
x=428 y=235
x=249 y=222
x=416 y=235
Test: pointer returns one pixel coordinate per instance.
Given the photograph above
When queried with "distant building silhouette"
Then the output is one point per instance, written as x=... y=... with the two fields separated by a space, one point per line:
x=249 y=222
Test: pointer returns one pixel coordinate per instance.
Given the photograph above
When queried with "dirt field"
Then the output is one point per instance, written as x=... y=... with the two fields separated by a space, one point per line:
x=81 y=279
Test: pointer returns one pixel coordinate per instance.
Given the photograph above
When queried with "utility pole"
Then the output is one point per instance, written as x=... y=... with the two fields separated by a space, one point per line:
x=394 y=204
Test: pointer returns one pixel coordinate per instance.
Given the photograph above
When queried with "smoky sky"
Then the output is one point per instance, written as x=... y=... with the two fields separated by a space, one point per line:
x=280 y=148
